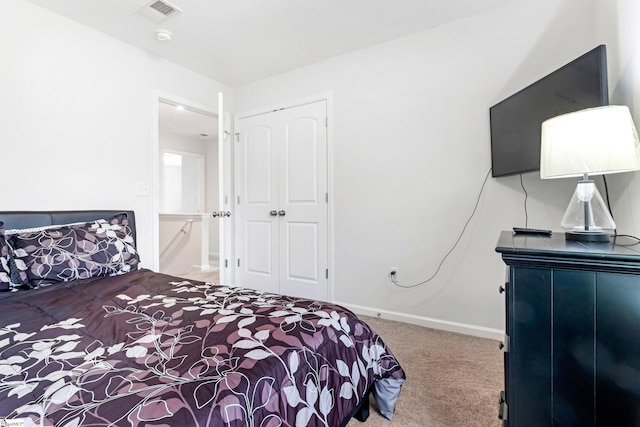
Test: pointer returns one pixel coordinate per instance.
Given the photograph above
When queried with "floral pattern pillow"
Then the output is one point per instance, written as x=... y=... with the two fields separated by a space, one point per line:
x=77 y=251
x=5 y=272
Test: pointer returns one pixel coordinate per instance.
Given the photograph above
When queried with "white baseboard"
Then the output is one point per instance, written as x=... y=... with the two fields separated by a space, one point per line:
x=445 y=325
x=199 y=268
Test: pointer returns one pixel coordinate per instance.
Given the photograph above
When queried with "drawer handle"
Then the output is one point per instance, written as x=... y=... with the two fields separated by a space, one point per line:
x=501 y=289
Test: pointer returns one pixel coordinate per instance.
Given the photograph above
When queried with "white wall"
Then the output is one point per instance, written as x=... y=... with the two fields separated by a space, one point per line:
x=193 y=169
x=77 y=114
x=619 y=27
x=410 y=138
x=411 y=148
x=182 y=244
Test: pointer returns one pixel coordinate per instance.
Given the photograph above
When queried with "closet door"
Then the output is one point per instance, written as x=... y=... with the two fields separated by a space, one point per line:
x=303 y=200
x=257 y=221
x=282 y=184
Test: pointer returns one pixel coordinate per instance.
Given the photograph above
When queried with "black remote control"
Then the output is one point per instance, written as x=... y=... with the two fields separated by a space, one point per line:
x=521 y=230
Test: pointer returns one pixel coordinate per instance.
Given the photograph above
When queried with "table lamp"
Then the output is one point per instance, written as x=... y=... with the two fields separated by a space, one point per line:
x=595 y=141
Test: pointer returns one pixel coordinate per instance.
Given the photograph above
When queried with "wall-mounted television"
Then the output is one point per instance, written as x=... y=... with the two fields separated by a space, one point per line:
x=516 y=121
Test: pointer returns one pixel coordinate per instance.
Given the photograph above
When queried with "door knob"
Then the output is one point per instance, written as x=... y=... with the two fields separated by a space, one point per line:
x=227 y=213
x=281 y=213
x=273 y=213
x=214 y=214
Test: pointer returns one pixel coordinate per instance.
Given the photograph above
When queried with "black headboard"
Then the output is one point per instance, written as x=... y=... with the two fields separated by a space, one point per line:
x=29 y=219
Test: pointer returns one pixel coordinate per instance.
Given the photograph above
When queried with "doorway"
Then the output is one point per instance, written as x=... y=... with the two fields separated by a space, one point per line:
x=188 y=165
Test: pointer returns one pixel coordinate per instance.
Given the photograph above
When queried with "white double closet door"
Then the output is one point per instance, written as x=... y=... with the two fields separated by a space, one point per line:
x=282 y=233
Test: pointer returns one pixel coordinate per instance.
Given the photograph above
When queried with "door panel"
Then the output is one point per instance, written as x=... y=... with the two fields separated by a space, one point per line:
x=617 y=362
x=259 y=243
x=574 y=373
x=530 y=360
x=303 y=236
x=301 y=159
x=257 y=229
x=283 y=182
x=259 y=166
x=302 y=256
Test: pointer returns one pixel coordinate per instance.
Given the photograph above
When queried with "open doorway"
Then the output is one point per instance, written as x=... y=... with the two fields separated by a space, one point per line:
x=188 y=236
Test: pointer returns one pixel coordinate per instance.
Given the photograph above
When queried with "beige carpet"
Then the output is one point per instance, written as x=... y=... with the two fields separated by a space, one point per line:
x=212 y=276
x=453 y=380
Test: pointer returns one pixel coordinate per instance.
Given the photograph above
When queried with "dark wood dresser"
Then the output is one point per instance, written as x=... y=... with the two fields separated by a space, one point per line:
x=572 y=343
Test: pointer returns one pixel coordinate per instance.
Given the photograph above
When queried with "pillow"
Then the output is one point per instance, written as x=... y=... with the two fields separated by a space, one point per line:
x=18 y=273
x=103 y=247
x=11 y=277
x=12 y=231
x=5 y=272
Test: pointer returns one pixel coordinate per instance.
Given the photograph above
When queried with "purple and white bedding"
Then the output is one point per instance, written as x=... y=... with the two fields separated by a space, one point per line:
x=143 y=348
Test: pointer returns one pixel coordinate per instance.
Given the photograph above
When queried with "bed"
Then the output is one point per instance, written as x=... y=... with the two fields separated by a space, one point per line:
x=87 y=338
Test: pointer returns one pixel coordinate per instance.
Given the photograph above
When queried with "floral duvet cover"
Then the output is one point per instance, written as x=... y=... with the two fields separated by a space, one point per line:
x=149 y=349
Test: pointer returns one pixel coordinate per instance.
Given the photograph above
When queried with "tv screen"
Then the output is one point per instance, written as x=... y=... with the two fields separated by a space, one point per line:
x=516 y=121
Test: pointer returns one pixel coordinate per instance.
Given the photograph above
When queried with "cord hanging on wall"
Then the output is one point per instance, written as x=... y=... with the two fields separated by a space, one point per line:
x=475 y=208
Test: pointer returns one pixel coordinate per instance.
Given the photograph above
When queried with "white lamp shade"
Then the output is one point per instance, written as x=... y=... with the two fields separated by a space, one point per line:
x=594 y=141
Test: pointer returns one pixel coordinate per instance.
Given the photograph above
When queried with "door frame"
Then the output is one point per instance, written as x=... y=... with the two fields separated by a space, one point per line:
x=159 y=96
x=323 y=96
x=226 y=193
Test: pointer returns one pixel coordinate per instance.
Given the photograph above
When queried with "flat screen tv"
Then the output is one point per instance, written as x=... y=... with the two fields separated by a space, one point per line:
x=516 y=121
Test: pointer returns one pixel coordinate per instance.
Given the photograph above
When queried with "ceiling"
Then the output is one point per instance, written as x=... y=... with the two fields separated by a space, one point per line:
x=177 y=120
x=239 y=41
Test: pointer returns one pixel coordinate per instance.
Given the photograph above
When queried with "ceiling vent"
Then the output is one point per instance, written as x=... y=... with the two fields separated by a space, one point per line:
x=159 y=10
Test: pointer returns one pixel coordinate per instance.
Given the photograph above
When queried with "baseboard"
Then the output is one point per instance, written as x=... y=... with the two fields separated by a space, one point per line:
x=445 y=325
x=199 y=268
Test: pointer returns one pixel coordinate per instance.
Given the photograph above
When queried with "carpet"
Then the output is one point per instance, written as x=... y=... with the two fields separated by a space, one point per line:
x=453 y=380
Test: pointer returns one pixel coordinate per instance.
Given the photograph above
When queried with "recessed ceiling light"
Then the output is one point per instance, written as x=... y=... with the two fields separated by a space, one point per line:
x=164 y=35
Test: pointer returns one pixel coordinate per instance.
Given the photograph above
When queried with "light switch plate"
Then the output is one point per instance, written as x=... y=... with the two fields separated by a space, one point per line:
x=142 y=188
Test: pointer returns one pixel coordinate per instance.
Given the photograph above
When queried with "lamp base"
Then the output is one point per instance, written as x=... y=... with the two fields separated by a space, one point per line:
x=587 y=236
